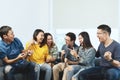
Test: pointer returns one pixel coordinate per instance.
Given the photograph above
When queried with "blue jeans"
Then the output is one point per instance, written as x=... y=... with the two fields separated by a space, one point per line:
x=44 y=67
x=73 y=71
x=100 y=72
x=26 y=68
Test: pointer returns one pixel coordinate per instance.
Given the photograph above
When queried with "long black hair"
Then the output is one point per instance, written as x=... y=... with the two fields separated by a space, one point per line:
x=86 y=40
x=45 y=38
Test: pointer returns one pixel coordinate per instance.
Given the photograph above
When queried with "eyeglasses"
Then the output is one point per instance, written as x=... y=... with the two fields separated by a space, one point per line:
x=67 y=40
x=99 y=33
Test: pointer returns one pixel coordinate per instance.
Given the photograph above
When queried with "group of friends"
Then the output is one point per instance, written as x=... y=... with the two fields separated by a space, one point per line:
x=75 y=61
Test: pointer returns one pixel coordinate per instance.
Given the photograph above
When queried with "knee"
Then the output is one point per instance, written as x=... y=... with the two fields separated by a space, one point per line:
x=48 y=67
x=7 y=69
x=55 y=68
x=37 y=68
x=69 y=68
x=74 y=78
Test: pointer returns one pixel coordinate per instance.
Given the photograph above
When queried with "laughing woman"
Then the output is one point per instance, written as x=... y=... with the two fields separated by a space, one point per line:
x=40 y=54
x=53 y=49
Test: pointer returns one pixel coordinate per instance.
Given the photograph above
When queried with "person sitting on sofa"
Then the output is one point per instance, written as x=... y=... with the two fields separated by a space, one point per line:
x=66 y=57
x=12 y=55
x=53 y=49
x=86 y=53
x=109 y=52
x=40 y=55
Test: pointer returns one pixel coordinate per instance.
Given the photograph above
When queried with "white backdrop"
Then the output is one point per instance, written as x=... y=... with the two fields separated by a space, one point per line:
x=60 y=17
x=24 y=16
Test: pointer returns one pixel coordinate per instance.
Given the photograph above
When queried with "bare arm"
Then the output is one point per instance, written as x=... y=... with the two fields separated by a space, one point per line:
x=9 y=61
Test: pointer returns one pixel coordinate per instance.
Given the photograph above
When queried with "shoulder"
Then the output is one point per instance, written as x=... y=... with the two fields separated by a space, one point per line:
x=92 y=49
x=2 y=43
x=55 y=47
x=45 y=46
x=76 y=46
x=16 y=40
x=64 y=46
x=116 y=43
x=28 y=42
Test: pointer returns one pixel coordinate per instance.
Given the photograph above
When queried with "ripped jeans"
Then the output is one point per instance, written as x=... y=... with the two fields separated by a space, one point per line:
x=44 y=67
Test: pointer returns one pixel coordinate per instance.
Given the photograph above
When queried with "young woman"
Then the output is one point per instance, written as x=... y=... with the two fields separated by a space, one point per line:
x=40 y=54
x=53 y=49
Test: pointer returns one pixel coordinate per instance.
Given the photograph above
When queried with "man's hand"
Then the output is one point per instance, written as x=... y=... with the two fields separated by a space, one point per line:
x=22 y=56
x=73 y=52
x=62 y=52
x=108 y=55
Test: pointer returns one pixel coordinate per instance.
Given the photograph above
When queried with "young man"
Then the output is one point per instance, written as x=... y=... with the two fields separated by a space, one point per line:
x=66 y=55
x=11 y=52
x=109 y=51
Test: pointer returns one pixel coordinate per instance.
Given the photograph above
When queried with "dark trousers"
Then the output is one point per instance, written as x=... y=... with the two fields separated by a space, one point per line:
x=26 y=68
x=99 y=73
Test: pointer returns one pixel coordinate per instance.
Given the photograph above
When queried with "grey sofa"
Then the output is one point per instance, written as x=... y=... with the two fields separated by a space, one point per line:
x=17 y=76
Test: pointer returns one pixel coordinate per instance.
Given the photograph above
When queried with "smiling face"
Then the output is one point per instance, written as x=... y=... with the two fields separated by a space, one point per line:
x=49 y=40
x=68 y=41
x=102 y=35
x=40 y=37
x=9 y=37
x=80 y=39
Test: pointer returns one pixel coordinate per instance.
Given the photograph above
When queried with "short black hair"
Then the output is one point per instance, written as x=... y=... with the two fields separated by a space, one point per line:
x=71 y=35
x=36 y=32
x=105 y=28
x=4 y=30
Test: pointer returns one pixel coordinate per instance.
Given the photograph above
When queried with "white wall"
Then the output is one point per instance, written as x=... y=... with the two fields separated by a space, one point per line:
x=24 y=16
x=85 y=13
x=60 y=17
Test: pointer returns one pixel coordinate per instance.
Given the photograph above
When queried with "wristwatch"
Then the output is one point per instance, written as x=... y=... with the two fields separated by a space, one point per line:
x=78 y=57
x=111 y=60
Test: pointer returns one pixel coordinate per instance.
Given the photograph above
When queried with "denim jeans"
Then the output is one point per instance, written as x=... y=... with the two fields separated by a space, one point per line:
x=68 y=73
x=26 y=68
x=44 y=67
x=100 y=72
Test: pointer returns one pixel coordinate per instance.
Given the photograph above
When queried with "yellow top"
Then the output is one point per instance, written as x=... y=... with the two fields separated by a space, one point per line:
x=39 y=55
